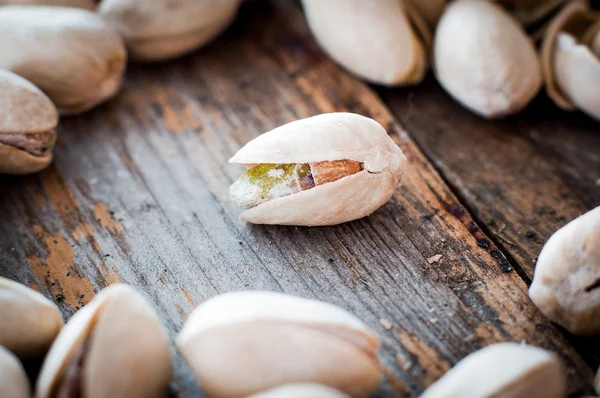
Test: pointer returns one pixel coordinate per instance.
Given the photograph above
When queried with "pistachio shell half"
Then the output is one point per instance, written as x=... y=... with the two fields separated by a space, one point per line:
x=484 y=59
x=69 y=53
x=27 y=129
x=377 y=41
x=87 y=4
x=301 y=390
x=368 y=176
x=161 y=29
x=507 y=370
x=13 y=380
x=242 y=343
x=30 y=321
x=566 y=283
x=114 y=347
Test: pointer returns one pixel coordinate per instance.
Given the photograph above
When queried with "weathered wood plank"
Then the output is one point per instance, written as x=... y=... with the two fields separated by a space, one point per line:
x=138 y=193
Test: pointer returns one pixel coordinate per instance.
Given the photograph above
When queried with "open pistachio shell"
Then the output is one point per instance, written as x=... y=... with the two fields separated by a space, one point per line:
x=13 y=380
x=507 y=370
x=566 y=283
x=484 y=59
x=161 y=29
x=27 y=129
x=327 y=137
x=30 y=321
x=242 y=343
x=114 y=347
x=374 y=40
x=87 y=4
x=301 y=390
x=70 y=54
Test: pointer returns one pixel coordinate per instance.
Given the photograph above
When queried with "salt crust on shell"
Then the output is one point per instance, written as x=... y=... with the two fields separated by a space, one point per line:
x=507 y=370
x=129 y=334
x=330 y=136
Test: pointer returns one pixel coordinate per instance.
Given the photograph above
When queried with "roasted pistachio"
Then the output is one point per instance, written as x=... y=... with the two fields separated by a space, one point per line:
x=113 y=347
x=69 y=53
x=30 y=322
x=323 y=170
x=87 y=4
x=566 y=283
x=571 y=67
x=162 y=29
x=301 y=390
x=242 y=343
x=506 y=370
x=13 y=380
x=484 y=59
x=27 y=129
x=385 y=41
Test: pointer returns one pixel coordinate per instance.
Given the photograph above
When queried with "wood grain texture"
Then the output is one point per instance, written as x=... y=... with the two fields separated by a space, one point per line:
x=138 y=193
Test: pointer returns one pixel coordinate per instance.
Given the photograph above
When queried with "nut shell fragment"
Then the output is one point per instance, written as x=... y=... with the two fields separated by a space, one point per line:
x=123 y=349
x=13 y=380
x=302 y=390
x=327 y=137
x=30 y=321
x=566 y=283
x=242 y=343
x=506 y=370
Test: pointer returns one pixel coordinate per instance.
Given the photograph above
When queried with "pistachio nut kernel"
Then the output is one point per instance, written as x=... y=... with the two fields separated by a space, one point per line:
x=301 y=390
x=13 y=380
x=507 y=370
x=30 y=321
x=566 y=282
x=115 y=346
x=238 y=343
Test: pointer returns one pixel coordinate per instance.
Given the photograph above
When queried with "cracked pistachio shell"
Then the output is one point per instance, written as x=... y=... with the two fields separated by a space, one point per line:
x=26 y=110
x=329 y=136
x=126 y=350
x=13 y=380
x=242 y=343
x=70 y=54
x=87 y=4
x=301 y=390
x=161 y=29
x=566 y=283
x=384 y=42
x=484 y=59
x=507 y=370
x=30 y=321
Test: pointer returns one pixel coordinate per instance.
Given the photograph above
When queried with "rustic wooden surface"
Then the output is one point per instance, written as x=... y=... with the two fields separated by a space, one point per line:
x=138 y=193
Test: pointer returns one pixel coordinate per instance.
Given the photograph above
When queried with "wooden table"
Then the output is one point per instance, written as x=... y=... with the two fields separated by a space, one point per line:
x=138 y=193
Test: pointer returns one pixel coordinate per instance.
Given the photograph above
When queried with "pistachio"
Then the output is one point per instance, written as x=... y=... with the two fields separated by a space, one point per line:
x=27 y=132
x=571 y=67
x=384 y=42
x=161 y=29
x=113 y=347
x=566 y=283
x=69 y=53
x=507 y=370
x=484 y=59
x=323 y=170
x=30 y=322
x=13 y=380
x=87 y=4
x=242 y=343
x=301 y=390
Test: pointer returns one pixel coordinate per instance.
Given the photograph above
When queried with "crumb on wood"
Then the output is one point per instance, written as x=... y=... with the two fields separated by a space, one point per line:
x=386 y=324
x=433 y=321
x=434 y=259
x=469 y=338
x=405 y=363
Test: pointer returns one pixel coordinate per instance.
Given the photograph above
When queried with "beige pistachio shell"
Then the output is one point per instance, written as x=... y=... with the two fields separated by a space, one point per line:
x=69 y=53
x=242 y=343
x=374 y=40
x=162 y=29
x=126 y=351
x=330 y=136
x=507 y=370
x=26 y=111
x=301 y=390
x=566 y=283
x=13 y=380
x=30 y=322
x=484 y=59
x=87 y=4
